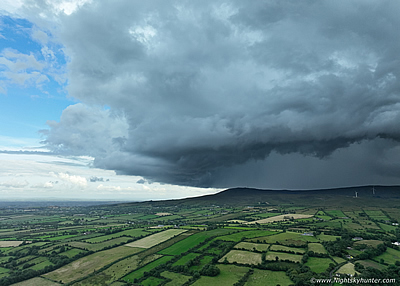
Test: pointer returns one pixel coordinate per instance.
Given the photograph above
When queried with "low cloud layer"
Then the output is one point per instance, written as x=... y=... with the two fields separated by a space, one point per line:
x=183 y=92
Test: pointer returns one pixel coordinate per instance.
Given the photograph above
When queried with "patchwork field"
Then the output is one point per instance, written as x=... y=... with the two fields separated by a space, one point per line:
x=37 y=281
x=283 y=248
x=259 y=278
x=185 y=244
x=280 y=256
x=118 y=270
x=186 y=258
x=140 y=272
x=6 y=243
x=317 y=264
x=372 y=243
x=246 y=234
x=229 y=275
x=348 y=268
x=156 y=238
x=177 y=279
x=242 y=257
x=251 y=246
x=317 y=248
x=88 y=264
x=390 y=256
x=280 y=218
x=88 y=246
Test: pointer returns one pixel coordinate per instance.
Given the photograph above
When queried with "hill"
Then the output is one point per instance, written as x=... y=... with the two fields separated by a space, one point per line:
x=366 y=196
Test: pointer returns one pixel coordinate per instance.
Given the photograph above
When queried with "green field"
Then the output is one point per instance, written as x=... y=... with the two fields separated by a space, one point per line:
x=186 y=244
x=72 y=252
x=348 y=268
x=137 y=274
x=88 y=264
x=260 y=278
x=246 y=234
x=130 y=232
x=37 y=281
x=242 y=257
x=205 y=260
x=251 y=246
x=186 y=258
x=372 y=243
x=271 y=256
x=324 y=237
x=177 y=279
x=316 y=248
x=229 y=275
x=371 y=263
x=118 y=270
x=335 y=213
x=152 y=281
x=283 y=248
x=390 y=256
x=154 y=239
x=98 y=246
x=288 y=237
x=317 y=264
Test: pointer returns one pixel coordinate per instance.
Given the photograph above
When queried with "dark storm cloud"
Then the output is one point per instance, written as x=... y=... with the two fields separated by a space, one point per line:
x=198 y=88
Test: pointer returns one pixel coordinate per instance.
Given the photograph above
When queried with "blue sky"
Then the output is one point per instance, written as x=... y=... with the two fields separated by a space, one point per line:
x=177 y=98
x=26 y=106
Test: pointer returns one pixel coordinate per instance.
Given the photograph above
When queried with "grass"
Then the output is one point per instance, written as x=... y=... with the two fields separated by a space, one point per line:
x=118 y=270
x=286 y=249
x=372 y=243
x=137 y=274
x=285 y=236
x=390 y=256
x=152 y=281
x=280 y=218
x=40 y=263
x=387 y=227
x=326 y=237
x=251 y=246
x=259 y=278
x=371 y=263
x=186 y=244
x=335 y=213
x=156 y=238
x=72 y=252
x=246 y=234
x=348 y=268
x=186 y=258
x=5 y=243
x=316 y=248
x=318 y=265
x=229 y=275
x=205 y=260
x=271 y=256
x=129 y=232
x=242 y=257
x=98 y=246
x=37 y=281
x=88 y=264
x=338 y=260
x=177 y=279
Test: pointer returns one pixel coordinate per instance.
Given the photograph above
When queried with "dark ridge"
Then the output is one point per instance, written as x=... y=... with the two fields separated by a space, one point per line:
x=346 y=196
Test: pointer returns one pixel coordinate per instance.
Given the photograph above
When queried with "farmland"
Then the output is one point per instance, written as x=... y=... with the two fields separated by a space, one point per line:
x=171 y=243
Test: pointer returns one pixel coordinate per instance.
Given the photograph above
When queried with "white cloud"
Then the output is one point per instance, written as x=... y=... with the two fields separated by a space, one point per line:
x=29 y=176
x=14 y=184
x=74 y=179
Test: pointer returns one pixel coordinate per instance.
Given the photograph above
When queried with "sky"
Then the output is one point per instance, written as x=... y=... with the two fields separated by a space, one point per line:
x=161 y=99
